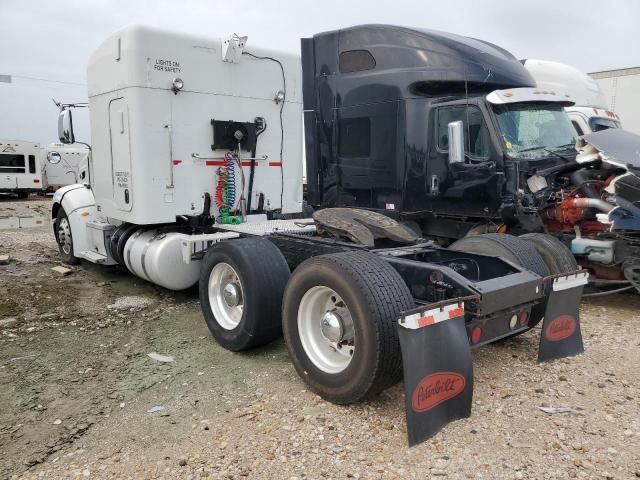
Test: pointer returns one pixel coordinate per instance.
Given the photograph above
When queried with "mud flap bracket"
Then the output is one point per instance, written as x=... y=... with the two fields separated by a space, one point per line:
x=438 y=372
x=561 y=335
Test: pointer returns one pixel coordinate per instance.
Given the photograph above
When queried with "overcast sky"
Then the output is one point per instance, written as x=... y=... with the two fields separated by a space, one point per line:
x=50 y=41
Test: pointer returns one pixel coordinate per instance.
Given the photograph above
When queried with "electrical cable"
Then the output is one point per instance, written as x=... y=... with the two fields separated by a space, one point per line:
x=236 y=157
x=225 y=194
x=284 y=91
x=608 y=292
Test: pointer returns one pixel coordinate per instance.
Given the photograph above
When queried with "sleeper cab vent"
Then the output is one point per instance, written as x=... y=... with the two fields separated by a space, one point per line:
x=356 y=61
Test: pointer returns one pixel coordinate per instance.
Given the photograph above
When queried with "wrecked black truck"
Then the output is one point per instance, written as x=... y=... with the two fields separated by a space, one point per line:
x=451 y=136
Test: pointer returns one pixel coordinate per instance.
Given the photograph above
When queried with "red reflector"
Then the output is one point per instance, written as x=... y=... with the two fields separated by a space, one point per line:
x=476 y=333
x=36 y=181
x=524 y=318
x=424 y=321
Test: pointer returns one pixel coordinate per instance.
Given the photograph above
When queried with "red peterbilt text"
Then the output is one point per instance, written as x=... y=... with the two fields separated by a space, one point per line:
x=560 y=328
x=435 y=389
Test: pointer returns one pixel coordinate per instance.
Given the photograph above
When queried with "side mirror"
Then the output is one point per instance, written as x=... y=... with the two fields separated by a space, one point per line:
x=456 y=142
x=65 y=127
x=53 y=158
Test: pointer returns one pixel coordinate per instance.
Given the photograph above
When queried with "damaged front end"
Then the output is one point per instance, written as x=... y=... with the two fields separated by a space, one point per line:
x=592 y=203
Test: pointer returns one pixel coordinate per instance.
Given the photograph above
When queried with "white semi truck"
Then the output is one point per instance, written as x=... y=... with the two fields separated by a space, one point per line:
x=26 y=167
x=591 y=112
x=61 y=165
x=195 y=177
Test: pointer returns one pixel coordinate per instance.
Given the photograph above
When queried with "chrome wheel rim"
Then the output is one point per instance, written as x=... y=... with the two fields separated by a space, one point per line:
x=326 y=329
x=226 y=296
x=64 y=236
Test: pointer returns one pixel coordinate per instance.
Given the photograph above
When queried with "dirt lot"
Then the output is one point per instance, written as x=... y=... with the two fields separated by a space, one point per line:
x=80 y=396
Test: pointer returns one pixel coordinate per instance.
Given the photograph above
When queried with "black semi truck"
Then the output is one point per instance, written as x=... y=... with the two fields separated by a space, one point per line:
x=450 y=135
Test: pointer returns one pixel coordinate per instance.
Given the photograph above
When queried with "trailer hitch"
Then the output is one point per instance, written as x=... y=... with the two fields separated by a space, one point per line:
x=561 y=335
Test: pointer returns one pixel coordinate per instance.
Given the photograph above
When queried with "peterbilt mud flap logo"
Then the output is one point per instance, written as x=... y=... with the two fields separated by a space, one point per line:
x=436 y=360
x=435 y=389
x=560 y=328
x=561 y=336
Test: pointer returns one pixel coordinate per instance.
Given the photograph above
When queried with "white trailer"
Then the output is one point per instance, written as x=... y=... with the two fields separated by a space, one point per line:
x=20 y=167
x=621 y=89
x=591 y=112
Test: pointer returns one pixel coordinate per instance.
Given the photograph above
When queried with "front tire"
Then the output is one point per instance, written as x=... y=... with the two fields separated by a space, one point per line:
x=339 y=323
x=241 y=286
x=64 y=238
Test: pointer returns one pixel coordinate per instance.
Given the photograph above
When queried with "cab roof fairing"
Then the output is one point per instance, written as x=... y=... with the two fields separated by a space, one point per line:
x=413 y=61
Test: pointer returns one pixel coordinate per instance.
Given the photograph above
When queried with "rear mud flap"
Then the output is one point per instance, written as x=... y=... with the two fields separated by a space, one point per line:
x=438 y=372
x=561 y=335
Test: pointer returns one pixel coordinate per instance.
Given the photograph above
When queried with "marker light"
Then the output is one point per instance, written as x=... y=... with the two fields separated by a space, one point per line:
x=177 y=85
x=524 y=318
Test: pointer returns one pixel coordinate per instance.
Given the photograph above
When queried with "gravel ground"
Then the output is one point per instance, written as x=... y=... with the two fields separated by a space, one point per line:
x=81 y=397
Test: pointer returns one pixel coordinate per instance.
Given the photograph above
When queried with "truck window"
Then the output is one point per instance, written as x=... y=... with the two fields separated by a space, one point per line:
x=354 y=137
x=476 y=134
x=32 y=164
x=598 y=124
x=531 y=129
x=356 y=61
x=11 y=163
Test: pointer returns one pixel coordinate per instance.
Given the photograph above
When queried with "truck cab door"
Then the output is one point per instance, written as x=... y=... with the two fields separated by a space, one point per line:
x=120 y=154
x=472 y=187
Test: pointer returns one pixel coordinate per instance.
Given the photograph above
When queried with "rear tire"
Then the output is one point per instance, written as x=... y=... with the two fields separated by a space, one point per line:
x=555 y=254
x=367 y=295
x=241 y=287
x=511 y=248
x=558 y=258
x=518 y=250
x=64 y=238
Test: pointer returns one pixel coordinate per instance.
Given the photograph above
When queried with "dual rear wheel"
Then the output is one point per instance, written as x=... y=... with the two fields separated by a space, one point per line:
x=337 y=312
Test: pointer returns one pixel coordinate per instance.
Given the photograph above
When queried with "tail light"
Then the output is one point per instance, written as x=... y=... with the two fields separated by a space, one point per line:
x=524 y=318
x=476 y=333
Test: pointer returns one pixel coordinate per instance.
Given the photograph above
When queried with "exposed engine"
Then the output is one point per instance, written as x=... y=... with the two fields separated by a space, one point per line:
x=592 y=201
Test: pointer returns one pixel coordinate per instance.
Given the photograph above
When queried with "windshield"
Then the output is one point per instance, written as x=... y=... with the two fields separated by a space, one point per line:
x=599 y=123
x=532 y=130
